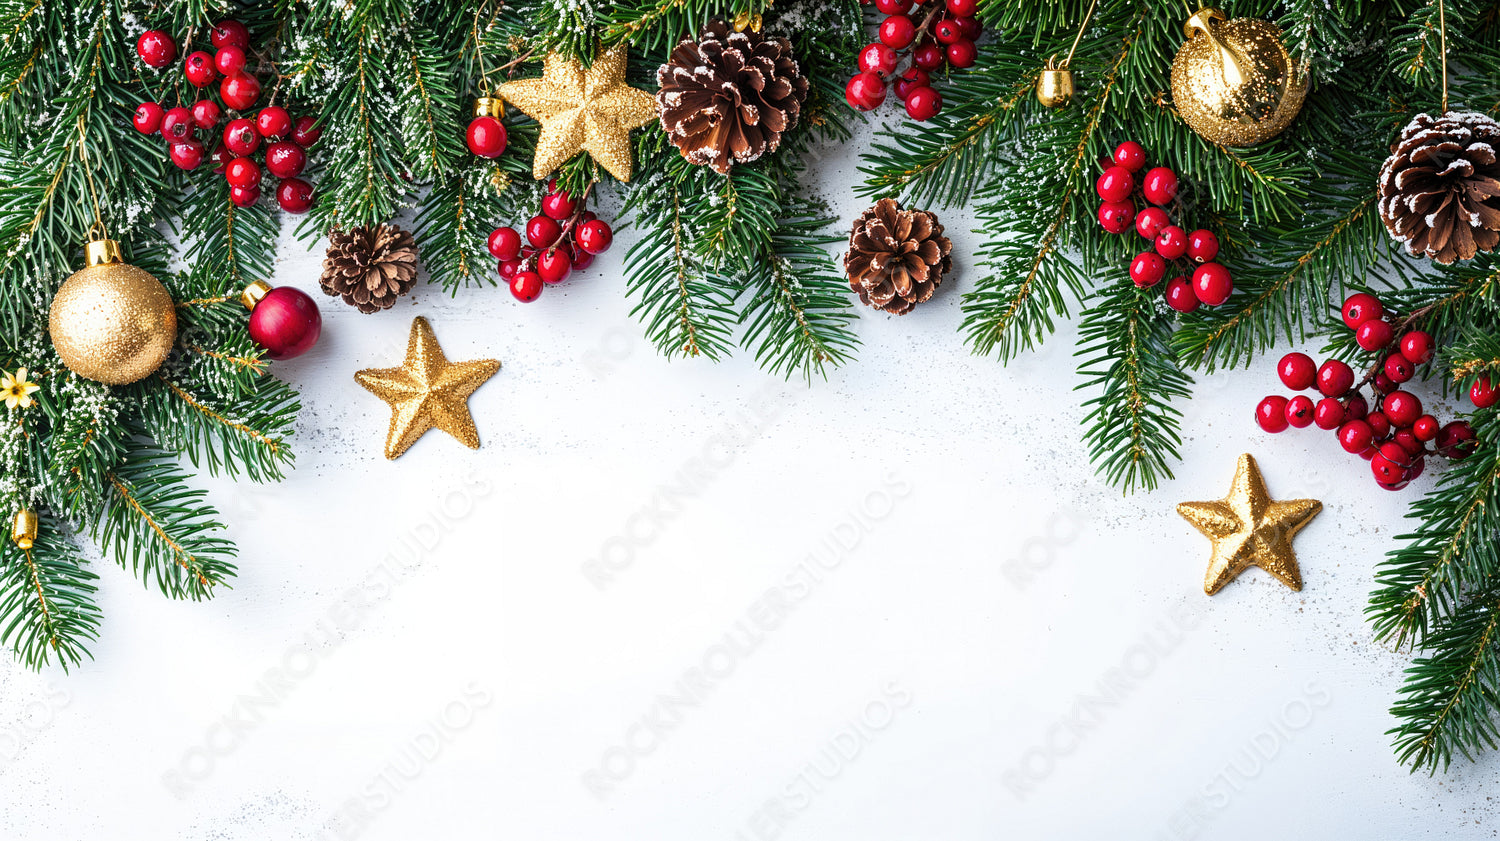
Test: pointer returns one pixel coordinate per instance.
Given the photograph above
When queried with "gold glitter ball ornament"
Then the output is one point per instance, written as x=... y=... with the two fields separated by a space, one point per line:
x=427 y=391
x=1248 y=528
x=112 y=322
x=583 y=110
x=1234 y=81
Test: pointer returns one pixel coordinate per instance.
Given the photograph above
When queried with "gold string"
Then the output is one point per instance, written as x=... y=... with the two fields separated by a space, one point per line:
x=1088 y=16
x=83 y=158
x=1443 y=42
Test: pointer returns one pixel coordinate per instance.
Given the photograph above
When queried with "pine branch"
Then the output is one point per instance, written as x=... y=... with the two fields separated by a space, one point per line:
x=1449 y=697
x=47 y=606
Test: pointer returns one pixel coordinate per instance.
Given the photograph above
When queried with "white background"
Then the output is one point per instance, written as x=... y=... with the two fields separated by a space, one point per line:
x=1000 y=645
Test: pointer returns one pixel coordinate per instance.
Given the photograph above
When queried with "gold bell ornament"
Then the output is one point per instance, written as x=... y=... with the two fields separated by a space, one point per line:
x=1234 y=81
x=112 y=322
x=23 y=529
x=1054 y=87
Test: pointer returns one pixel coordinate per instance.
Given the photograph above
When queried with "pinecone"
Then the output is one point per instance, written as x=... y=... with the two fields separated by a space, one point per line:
x=1440 y=188
x=897 y=257
x=727 y=98
x=370 y=267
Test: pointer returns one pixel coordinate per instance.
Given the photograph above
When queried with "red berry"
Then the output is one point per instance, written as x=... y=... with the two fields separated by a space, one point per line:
x=1271 y=413
x=241 y=172
x=178 y=124
x=1379 y=424
x=972 y=27
x=509 y=268
x=1335 y=378
x=187 y=154
x=526 y=286
x=554 y=265
x=1402 y=408
x=1130 y=155
x=273 y=122
x=205 y=114
x=1147 y=269
x=542 y=231
x=487 y=138
x=285 y=159
x=893 y=7
x=1425 y=428
x=594 y=237
x=1299 y=411
x=1416 y=346
x=230 y=59
x=244 y=196
x=962 y=53
x=914 y=77
x=155 y=47
x=1116 y=216
x=294 y=195
x=1383 y=384
x=1356 y=407
x=1361 y=307
x=1115 y=184
x=1355 y=436
x=1482 y=394
x=1329 y=413
x=878 y=58
x=581 y=260
x=947 y=31
x=1171 y=242
x=1212 y=283
x=897 y=32
x=220 y=158
x=1180 y=295
x=922 y=104
x=239 y=91
x=963 y=8
x=1160 y=186
x=1202 y=246
x=559 y=205
x=240 y=137
x=505 y=244
x=199 y=69
x=865 y=92
x=1390 y=465
x=1456 y=441
x=929 y=56
x=306 y=132
x=148 y=117
x=1298 y=372
x=1149 y=222
x=1373 y=334
x=1398 y=368
x=1406 y=439
x=229 y=33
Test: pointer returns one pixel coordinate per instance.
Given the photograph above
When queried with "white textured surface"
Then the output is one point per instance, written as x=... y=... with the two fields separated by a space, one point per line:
x=1001 y=646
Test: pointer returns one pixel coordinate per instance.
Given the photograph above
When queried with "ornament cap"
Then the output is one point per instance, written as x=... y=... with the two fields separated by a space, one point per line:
x=1202 y=20
x=254 y=293
x=24 y=528
x=101 y=251
x=489 y=106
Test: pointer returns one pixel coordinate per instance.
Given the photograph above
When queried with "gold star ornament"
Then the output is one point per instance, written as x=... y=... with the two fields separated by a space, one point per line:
x=427 y=391
x=583 y=110
x=1248 y=528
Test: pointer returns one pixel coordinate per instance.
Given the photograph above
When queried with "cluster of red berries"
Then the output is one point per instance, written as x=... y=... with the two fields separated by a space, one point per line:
x=1394 y=436
x=563 y=237
x=945 y=36
x=233 y=154
x=1211 y=283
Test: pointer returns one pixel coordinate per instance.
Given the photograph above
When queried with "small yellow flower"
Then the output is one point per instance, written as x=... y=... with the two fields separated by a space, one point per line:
x=17 y=390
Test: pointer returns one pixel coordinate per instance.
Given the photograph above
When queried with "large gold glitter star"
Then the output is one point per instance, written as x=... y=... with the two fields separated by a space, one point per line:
x=583 y=110
x=1248 y=529
x=427 y=391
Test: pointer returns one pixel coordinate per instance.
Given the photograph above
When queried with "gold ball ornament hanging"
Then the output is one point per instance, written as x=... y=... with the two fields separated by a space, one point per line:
x=1054 y=88
x=112 y=322
x=1234 y=81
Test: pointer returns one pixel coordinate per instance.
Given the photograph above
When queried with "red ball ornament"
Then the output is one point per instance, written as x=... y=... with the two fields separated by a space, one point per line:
x=283 y=320
x=1361 y=307
x=1297 y=371
x=1270 y=413
x=1180 y=295
x=199 y=69
x=1202 y=246
x=504 y=244
x=156 y=48
x=922 y=104
x=1150 y=221
x=1213 y=284
x=229 y=33
x=1160 y=186
x=1115 y=184
x=285 y=159
x=526 y=286
x=865 y=92
x=1130 y=155
x=1116 y=216
x=1171 y=242
x=595 y=237
x=487 y=137
x=148 y=117
x=239 y=91
x=294 y=196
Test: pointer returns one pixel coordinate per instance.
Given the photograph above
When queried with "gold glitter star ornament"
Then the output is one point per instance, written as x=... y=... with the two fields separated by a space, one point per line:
x=1248 y=528
x=583 y=110
x=427 y=391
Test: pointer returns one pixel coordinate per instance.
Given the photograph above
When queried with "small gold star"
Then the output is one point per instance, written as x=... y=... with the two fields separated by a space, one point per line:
x=427 y=391
x=1248 y=528
x=583 y=110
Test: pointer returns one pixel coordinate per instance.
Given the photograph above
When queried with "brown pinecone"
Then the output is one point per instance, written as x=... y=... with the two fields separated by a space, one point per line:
x=370 y=267
x=1440 y=188
x=897 y=257
x=727 y=98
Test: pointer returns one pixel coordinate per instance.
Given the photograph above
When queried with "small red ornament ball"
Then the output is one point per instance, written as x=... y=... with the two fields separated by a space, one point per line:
x=1329 y=413
x=897 y=32
x=1114 y=216
x=1482 y=394
x=526 y=286
x=241 y=172
x=595 y=237
x=1115 y=184
x=239 y=91
x=1401 y=408
x=244 y=196
x=1373 y=334
x=1147 y=269
x=1130 y=155
x=1202 y=246
x=294 y=195
x=1416 y=346
x=1299 y=411
x=878 y=58
x=306 y=132
x=487 y=137
x=1335 y=378
x=273 y=122
x=922 y=104
x=1270 y=413
x=865 y=92
x=1160 y=186
x=148 y=117
x=1361 y=307
x=1180 y=295
x=230 y=59
x=1212 y=283
x=156 y=48
x=1171 y=242
x=1149 y=222
x=286 y=323
x=199 y=70
x=229 y=33
x=285 y=159
x=1298 y=371
x=505 y=244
